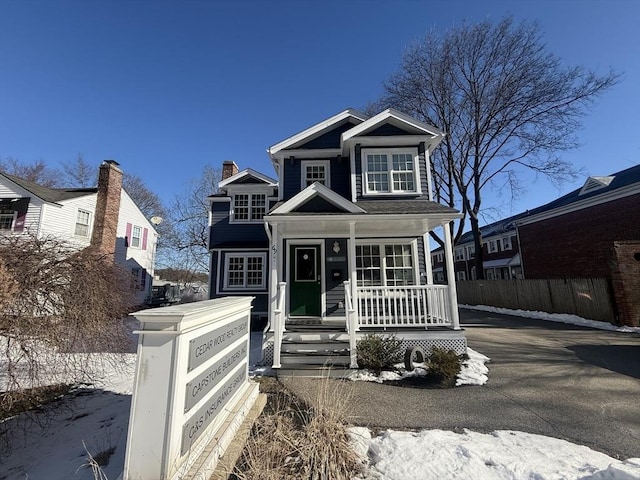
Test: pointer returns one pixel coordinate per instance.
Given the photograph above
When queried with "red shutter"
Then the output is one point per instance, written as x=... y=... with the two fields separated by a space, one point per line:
x=19 y=224
x=144 y=238
x=128 y=235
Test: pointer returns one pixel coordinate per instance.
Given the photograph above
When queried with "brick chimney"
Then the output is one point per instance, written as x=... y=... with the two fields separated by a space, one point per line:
x=105 y=224
x=229 y=169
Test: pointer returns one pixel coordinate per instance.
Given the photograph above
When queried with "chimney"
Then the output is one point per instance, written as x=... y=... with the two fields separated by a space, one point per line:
x=229 y=169
x=105 y=223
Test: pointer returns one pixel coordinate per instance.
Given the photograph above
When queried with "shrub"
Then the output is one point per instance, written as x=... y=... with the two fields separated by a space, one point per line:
x=379 y=352
x=444 y=365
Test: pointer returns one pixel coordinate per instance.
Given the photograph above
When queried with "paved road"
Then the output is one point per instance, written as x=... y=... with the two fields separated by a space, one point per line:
x=563 y=381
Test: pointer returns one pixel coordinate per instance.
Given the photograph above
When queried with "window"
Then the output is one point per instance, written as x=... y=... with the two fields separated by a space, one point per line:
x=461 y=276
x=459 y=254
x=506 y=243
x=136 y=235
x=384 y=265
x=6 y=220
x=393 y=171
x=440 y=257
x=82 y=223
x=315 y=172
x=492 y=246
x=249 y=207
x=471 y=252
x=245 y=271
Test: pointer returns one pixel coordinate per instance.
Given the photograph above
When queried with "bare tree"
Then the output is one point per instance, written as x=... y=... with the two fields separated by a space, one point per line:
x=46 y=327
x=79 y=173
x=37 y=172
x=506 y=104
x=190 y=222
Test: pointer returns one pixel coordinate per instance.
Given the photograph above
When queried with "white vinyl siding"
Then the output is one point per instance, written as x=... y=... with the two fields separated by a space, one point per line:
x=83 y=220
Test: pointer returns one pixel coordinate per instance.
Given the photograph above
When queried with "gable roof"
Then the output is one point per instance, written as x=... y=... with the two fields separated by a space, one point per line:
x=617 y=185
x=50 y=195
x=316 y=190
x=348 y=115
x=244 y=175
x=397 y=119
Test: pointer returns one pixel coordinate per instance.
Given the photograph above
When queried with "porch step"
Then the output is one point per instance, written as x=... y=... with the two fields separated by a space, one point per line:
x=327 y=347
x=314 y=327
x=317 y=359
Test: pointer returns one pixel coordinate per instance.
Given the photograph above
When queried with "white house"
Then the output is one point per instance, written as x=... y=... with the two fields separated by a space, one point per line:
x=105 y=217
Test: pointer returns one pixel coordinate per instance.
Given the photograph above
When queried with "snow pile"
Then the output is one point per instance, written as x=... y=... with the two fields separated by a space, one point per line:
x=437 y=454
x=473 y=372
x=554 y=317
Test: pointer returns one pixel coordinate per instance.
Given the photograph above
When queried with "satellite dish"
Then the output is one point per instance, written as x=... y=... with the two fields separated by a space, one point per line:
x=156 y=220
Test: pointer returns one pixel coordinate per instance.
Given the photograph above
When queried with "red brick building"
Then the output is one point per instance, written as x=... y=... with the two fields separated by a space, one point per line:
x=591 y=232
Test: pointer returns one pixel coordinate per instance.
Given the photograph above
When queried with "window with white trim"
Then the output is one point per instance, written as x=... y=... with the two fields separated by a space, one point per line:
x=471 y=252
x=506 y=243
x=249 y=207
x=385 y=265
x=440 y=258
x=459 y=254
x=390 y=171
x=136 y=236
x=245 y=271
x=315 y=172
x=82 y=223
x=7 y=220
x=461 y=276
x=492 y=246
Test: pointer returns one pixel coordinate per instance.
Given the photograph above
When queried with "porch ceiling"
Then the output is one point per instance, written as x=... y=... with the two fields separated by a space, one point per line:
x=365 y=225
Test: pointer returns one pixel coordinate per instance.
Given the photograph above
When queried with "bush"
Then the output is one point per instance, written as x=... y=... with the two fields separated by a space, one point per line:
x=379 y=352
x=444 y=365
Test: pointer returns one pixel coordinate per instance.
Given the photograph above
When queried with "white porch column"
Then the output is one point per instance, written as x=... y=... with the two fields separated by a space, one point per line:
x=274 y=254
x=451 y=276
x=353 y=275
x=427 y=254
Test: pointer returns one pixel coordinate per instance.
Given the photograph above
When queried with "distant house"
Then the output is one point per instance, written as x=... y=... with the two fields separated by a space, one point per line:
x=501 y=259
x=338 y=245
x=105 y=217
x=593 y=231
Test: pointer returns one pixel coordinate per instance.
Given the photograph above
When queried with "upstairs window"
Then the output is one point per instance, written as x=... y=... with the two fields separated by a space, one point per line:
x=506 y=243
x=136 y=236
x=390 y=171
x=249 y=207
x=492 y=246
x=471 y=252
x=82 y=223
x=317 y=171
x=459 y=254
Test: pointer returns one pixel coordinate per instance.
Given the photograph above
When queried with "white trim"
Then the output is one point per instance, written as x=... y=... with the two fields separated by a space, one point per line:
x=317 y=189
x=249 y=220
x=382 y=242
x=389 y=152
x=315 y=163
x=309 y=153
x=606 y=197
x=244 y=173
x=262 y=288
x=293 y=242
x=317 y=129
x=14 y=214
x=382 y=117
x=352 y=165
x=219 y=199
x=89 y=224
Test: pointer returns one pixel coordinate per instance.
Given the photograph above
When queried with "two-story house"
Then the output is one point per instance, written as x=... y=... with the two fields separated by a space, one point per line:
x=105 y=217
x=342 y=248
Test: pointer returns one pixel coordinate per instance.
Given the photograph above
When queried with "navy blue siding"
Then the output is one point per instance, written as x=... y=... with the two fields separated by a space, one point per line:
x=339 y=171
x=291 y=178
x=224 y=233
x=334 y=288
x=386 y=130
x=329 y=139
x=341 y=176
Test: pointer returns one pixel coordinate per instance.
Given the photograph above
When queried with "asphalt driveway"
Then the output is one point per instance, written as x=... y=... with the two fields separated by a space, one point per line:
x=563 y=381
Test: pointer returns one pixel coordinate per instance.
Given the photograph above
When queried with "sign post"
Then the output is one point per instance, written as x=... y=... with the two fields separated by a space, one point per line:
x=191 y=388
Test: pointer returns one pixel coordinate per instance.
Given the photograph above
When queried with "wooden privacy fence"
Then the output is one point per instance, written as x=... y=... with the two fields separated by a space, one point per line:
x=586 y=297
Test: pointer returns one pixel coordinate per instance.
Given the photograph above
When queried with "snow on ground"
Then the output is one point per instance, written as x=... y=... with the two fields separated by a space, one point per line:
x=438 y=454
x=98 y=418
x=554 y=317
x=473 y=372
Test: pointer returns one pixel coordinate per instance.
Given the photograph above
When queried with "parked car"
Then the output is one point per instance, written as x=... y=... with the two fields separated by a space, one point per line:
x=163 y=295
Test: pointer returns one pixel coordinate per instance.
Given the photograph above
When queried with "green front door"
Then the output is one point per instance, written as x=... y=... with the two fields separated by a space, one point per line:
x=305 y=288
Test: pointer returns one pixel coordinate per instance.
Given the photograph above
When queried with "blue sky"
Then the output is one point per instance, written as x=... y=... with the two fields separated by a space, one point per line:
x=167 y=87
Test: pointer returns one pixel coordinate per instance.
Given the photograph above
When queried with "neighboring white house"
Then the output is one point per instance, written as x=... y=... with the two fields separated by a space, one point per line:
x=105 y=217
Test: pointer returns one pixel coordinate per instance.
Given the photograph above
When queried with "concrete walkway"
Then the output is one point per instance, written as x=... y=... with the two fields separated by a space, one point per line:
x=563 y=381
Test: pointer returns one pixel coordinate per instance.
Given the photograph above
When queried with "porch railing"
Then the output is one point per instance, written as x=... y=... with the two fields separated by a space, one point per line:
x=352 y=324
x=278 y=323
x=419 y=306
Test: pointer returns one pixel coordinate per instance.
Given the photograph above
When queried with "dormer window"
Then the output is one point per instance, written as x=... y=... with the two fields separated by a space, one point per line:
x=390 y=171
x=316 y=171
x=249 y=207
